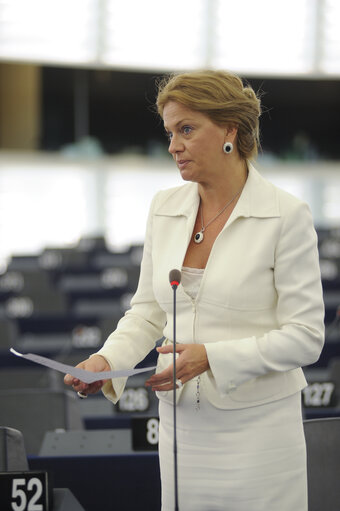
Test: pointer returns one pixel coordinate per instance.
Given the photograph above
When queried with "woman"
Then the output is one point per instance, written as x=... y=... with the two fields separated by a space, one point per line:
x=249 y=310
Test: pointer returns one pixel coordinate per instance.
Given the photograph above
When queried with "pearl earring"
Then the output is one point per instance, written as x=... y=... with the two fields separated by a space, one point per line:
x=228 y=147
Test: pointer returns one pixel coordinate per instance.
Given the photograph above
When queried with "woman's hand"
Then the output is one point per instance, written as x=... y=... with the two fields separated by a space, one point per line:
x=96 y=363
x=192 y=361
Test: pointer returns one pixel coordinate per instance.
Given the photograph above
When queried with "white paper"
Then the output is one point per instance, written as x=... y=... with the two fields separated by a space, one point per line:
x=81 y=374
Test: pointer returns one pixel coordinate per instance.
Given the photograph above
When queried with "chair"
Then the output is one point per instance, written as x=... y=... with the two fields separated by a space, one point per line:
x=323 y=463
x=334 y=376
x=8 y=334
x=12 y=450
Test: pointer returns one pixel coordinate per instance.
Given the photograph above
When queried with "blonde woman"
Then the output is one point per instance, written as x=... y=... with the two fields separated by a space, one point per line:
x=249 y=309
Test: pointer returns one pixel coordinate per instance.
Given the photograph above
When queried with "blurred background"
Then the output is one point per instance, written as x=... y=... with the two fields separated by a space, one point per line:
x=82 y=153
x=77 y=85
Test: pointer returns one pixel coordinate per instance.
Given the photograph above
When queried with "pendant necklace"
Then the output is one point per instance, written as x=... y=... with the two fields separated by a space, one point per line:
x=199 y=236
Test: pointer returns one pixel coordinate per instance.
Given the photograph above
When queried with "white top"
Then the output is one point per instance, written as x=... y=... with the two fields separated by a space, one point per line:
x=191 y=280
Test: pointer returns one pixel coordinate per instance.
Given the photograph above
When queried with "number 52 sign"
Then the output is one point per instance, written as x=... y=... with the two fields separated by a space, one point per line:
x=24 y=491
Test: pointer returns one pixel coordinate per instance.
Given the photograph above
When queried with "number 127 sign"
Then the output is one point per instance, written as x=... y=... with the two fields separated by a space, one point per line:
x=24 y=491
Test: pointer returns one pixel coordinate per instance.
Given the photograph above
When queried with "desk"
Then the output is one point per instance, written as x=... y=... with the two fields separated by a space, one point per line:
x=107 y=483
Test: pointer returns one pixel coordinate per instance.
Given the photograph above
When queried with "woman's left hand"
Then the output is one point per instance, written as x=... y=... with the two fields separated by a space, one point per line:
x=192 y=361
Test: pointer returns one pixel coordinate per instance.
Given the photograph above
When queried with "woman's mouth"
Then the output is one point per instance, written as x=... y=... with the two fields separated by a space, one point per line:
x=181 y=164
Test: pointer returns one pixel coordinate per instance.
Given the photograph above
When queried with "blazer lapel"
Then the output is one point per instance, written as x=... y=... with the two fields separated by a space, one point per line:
x=258 y=199
x=176 y=216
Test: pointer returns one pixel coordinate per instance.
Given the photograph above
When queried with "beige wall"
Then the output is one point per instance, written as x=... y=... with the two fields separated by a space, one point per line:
x=20 y=87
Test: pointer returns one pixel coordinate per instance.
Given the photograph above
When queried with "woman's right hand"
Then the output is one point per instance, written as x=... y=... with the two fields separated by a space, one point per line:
x=96 y=363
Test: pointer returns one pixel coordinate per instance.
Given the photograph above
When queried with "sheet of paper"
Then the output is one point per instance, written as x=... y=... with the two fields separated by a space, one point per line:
x=81 y=374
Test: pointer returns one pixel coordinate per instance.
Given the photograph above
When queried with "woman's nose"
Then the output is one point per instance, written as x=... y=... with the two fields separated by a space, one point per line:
x=175 y=145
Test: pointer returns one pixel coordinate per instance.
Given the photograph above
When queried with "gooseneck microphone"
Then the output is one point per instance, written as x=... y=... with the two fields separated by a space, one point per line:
x=175 y=279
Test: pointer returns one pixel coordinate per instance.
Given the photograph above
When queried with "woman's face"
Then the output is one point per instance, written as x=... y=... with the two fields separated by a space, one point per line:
x=195 y=142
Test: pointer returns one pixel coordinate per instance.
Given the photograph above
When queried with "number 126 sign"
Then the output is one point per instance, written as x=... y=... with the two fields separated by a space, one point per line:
x=24 y=491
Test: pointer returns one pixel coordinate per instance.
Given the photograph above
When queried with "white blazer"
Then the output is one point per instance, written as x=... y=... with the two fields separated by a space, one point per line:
x=259 y=310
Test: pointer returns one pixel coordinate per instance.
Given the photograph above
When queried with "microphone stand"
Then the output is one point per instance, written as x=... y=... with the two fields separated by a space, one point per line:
x=174 y=287
x=174 y=284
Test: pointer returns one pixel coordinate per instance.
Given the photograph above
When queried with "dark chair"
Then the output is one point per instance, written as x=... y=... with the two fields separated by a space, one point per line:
x=12 y=450
x=8 y=334
x=323 y=463
x=334 y=376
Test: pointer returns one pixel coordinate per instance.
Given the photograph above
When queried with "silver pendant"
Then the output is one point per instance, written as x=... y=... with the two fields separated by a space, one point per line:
x=198 y=238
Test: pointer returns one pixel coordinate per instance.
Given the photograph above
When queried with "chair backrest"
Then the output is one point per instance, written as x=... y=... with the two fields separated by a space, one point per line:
x=323 y=463
x=334 y=372
x=12 y=450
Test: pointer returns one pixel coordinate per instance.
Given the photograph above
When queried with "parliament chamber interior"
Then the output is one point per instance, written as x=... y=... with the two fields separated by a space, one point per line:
x=62 y=304
x=82 y=153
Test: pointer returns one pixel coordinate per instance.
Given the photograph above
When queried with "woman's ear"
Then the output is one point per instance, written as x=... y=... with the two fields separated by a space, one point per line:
x=231 y=132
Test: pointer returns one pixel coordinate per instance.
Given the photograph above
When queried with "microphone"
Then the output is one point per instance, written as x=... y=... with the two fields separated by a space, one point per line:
x=175 y=279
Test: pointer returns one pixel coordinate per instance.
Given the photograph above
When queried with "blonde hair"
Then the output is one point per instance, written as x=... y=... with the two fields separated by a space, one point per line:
x=221 y=96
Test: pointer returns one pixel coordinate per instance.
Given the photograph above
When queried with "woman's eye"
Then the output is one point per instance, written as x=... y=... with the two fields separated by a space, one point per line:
x=168 y=135
x=186 y=130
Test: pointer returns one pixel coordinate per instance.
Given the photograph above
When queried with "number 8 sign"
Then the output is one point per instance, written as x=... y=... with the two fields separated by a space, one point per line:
x=145 y=433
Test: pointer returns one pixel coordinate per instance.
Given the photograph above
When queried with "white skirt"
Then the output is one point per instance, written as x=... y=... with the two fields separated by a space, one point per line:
x=253 y=459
